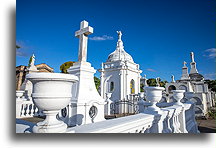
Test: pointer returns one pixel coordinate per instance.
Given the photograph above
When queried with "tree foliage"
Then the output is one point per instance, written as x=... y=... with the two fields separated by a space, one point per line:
x=17 y=46
x=30 y=60
x=211 y=85
x=68 y=64
x=65 y=66
x=152 y=82
x=97 y=82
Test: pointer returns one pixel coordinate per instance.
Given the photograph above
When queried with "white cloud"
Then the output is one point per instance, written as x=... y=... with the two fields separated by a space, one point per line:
x=21 y=53
x=23 y=50
x=101 y=38
x=210 y=76
x=210 y=53
x=152 y=70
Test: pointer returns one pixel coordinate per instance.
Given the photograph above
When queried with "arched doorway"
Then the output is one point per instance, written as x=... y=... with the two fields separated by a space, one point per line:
x=183 y=87
x=170 y=88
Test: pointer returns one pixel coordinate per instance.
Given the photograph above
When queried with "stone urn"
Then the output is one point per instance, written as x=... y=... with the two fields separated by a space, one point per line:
x=141 y=95
x=19 y=101
x=178 y=95
x=189 y=95
x=51 y=93
x=19 y=94
x=153 y=95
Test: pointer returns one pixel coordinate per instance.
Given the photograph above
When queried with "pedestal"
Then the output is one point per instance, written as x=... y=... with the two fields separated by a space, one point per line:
x=87 y=106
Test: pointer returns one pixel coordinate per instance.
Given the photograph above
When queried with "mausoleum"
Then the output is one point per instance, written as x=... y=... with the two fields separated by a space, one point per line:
x=193 y=82
x=120 y=76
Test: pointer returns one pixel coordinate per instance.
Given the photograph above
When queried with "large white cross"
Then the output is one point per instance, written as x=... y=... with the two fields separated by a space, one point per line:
x=82 y=34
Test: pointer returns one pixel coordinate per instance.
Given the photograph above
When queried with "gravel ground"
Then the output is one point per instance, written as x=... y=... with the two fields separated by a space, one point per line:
x=207 y=126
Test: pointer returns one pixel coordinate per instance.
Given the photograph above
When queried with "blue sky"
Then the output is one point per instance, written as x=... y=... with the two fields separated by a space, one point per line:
x=159 y=35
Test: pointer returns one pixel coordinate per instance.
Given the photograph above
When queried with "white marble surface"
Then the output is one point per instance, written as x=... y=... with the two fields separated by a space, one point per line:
x=23 y=126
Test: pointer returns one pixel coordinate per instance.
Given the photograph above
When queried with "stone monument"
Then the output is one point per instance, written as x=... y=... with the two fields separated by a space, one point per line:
x=120 y=76
x=86 y=106
x=185 y=75
x=27 y=85
x=193 y=64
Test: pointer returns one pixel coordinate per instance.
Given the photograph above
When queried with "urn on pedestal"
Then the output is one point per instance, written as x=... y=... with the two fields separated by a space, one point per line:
x=153 y=95
x=19 y=94
x=178 y=95
x=189 y=95
x=51 y=93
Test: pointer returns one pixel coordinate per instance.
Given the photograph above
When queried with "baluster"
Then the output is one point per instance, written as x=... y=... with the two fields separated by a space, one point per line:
x=178 y=122
x=23 y=110
x=36 y=111
x=32 y=110
x=27 y=110
x=168 y=121
x=174 y=122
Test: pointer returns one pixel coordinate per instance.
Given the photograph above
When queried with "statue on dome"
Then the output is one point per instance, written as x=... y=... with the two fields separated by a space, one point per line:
x=119 y=34
x=173 y=79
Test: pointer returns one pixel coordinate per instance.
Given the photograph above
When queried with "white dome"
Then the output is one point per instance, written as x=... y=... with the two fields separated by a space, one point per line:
x=119 y=53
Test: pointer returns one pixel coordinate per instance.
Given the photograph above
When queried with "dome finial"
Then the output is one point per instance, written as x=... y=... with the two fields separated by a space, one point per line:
x=119 y=34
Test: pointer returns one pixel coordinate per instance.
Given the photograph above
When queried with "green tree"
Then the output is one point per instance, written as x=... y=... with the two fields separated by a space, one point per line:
x=211 y=85
x=17 y=47
x=141 y=87
x=65 y=66
x=30 y=60
x=152 y=82
x=97 y=82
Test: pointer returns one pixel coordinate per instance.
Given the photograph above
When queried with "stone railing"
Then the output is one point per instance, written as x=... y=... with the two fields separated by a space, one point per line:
x=25 y=108
x=174 y=119
x=178 y=118
x=139 y=123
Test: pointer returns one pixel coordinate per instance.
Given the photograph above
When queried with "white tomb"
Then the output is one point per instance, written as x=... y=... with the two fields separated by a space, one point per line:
x=193 y=82
x=119 y=76
x=86 y=106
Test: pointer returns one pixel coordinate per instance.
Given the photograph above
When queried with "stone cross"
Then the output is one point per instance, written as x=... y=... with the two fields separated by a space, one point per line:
x=82 y=34
x=192 y=56
x=185 y=64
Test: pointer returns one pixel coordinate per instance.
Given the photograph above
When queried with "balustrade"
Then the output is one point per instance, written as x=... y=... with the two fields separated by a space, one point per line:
x=177 y=118
x=27 y=109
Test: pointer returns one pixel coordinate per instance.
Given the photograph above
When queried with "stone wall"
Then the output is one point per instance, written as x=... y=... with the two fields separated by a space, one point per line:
x=21 y=72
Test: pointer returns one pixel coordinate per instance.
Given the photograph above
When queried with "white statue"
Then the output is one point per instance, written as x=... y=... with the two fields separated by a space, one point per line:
x=32 y=60
x=173 y=79
x=145 y=80
x=157 y=82
x=119 y=34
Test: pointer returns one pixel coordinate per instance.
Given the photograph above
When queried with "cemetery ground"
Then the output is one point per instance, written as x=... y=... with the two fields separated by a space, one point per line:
x=208 y=124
